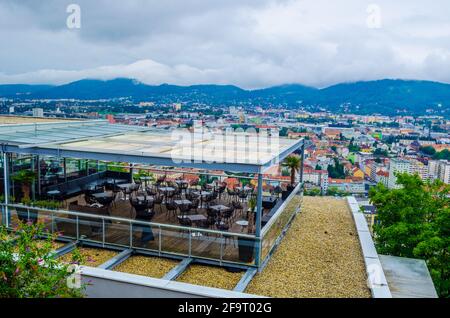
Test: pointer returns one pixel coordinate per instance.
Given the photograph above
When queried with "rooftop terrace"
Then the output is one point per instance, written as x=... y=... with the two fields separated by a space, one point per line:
x=12 y=120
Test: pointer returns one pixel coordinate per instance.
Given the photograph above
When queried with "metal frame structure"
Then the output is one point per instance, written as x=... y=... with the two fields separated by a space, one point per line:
x=51 y=139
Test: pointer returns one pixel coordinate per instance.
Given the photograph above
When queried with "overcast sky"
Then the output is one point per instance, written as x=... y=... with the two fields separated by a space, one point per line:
x=250 y=43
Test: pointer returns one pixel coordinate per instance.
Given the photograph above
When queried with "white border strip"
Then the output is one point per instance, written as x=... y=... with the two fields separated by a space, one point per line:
x=184 y=289
x=376 y=279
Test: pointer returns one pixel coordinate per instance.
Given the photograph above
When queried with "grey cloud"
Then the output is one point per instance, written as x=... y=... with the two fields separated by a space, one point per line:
x=250 y=43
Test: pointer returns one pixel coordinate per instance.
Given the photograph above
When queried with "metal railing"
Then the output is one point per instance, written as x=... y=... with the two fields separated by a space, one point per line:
x=213 y=242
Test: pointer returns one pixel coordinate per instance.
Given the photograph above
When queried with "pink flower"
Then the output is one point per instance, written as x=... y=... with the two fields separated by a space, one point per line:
x=17 y=271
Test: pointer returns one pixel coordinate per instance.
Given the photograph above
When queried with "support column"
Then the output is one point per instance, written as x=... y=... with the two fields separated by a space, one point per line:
x=65 y=170
x=33 y=185
x=303 y=162
x=38 y=159
x=131 y=173
x=7 y=217
x=258 y=220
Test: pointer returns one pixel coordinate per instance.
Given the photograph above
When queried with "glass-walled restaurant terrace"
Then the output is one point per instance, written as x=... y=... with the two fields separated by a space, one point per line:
x=121 y=187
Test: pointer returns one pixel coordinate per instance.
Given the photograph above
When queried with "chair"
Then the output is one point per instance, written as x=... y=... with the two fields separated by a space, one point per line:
x=227 y=215
x=171 y=208
x=238 y=206
x=221 y=190
x=184 y=209
x=184 y=221
x=231 y=194
x=211 y=213
x=150 y=191
x=243 y=195
x=158 y=199
x=195 y=204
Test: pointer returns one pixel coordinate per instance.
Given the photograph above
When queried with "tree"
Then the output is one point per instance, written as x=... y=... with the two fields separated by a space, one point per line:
x=380 y=153
x=335 y=191
x=294 y=163
x=336 y=171
x=352 y=147
x=428 y=150
x=313 y=192
x=443 y=155
x=414 y=222
x=28 y=268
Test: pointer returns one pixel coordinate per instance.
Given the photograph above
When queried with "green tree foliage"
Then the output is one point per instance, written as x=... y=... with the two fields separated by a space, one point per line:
x=352 y=147
x=443 y=155
x=335 y=192
x=336 y=171
x=380 y=153
x=294 y=163
x=414 y=222
x=428 y=150
x=28 y=268
x=313 y=192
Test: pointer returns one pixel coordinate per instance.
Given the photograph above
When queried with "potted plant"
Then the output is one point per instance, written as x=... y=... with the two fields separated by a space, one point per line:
x=26 y=179
x=246 y=246
x=294 y=163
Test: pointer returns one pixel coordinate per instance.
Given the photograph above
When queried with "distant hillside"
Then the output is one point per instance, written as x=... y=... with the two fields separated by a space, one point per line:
x=20 y=90
x=387 y=95
x=384 y=96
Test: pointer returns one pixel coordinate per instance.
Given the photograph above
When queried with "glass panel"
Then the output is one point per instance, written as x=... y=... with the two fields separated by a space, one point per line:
x=239 y=249
x=280 y=223
x=117 y=233
x=206 y=245
x=145 y=236
x=175 y=241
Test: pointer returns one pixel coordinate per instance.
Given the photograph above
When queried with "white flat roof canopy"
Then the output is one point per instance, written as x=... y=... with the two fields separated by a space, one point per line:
x=99 y=140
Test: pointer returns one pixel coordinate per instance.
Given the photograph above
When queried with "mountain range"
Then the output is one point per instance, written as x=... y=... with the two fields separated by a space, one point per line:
x=387 y=97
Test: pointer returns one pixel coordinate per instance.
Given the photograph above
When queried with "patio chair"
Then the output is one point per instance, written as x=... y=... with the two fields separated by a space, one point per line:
x=238 y=207
x=150 y=191
x=184 y=209
x=171 y=209
x=158 y=200
x=184 y=221
x=221 y=190
x=227 y=215
x=231 y=194
x=195 y=204
x=243 y=195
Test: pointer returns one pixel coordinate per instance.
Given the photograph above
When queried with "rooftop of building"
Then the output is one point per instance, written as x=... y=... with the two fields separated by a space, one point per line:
x=14 y=120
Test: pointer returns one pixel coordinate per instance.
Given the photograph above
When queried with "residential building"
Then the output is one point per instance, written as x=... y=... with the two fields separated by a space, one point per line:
x=38 y=112
x=397 y=166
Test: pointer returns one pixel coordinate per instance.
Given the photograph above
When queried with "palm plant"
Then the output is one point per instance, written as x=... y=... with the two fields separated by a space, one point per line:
x=294 y=163
x=26 y=179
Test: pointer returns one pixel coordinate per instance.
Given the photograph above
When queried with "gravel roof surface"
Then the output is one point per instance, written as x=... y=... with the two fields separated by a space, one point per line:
x=210 y=276
x=147 y=266
x=93 y=257
x=319 y=257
